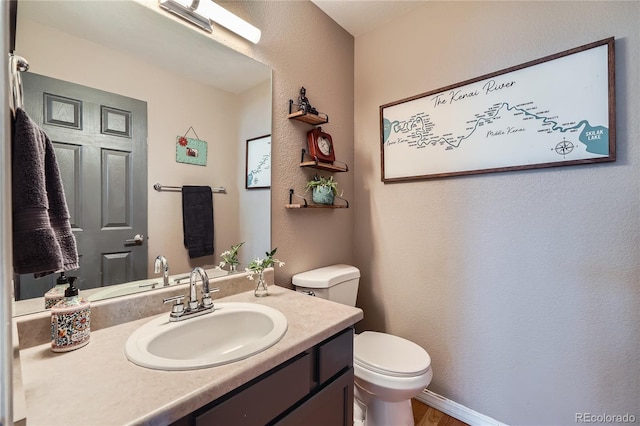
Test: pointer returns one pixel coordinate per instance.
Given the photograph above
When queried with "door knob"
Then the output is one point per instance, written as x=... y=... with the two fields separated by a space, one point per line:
x=137 y=239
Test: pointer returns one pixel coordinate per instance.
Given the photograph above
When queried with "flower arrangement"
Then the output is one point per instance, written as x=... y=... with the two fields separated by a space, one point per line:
x=257 y=266
x=230 y=257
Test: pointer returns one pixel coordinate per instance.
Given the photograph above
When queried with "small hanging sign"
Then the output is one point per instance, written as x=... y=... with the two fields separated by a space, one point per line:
x=191 y=151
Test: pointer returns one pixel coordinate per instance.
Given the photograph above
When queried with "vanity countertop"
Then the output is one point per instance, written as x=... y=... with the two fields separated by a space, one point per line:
x=97 y=385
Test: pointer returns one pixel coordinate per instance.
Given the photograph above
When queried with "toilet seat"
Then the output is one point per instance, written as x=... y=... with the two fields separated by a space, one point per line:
x=390 y=355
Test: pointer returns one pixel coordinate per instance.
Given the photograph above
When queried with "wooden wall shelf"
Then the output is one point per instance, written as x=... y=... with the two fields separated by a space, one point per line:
x=306 y=205
x=324 y=166
x=315 y=164
x=309 y=118
x=308 y=162
x=314 y=206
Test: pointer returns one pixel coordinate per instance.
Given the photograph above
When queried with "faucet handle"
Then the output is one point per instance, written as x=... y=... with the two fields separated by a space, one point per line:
x=178 y=307
x=152 y=285
x=206 y=299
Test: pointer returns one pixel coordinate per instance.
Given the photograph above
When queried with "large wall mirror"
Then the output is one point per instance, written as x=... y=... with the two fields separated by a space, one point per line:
x=191 y=85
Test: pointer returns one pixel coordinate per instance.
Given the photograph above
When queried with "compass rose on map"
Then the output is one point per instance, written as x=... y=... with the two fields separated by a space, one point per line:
x=563 y=148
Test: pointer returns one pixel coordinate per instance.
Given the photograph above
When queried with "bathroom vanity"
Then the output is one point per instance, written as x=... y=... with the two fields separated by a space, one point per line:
x=305 y=378
x=314 y=387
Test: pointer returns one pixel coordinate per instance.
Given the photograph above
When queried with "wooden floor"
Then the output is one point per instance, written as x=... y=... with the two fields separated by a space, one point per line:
x=423 y=415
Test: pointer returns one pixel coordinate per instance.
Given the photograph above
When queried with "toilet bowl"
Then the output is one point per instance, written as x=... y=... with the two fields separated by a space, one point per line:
x=389 y=370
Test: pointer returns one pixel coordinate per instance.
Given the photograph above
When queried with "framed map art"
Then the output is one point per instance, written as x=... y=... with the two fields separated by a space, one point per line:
x=258 y=165
x=554 y=111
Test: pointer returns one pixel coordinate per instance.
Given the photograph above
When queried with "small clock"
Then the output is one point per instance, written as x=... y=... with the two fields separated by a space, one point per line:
x=320 y=145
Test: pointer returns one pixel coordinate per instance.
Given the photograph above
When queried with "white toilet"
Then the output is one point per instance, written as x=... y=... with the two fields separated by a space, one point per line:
x=389 y=370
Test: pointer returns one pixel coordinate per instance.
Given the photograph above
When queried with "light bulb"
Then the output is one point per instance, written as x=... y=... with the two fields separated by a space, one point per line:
x=222 y=16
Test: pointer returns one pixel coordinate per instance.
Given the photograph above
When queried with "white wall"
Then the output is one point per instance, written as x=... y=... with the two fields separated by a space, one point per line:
x=255 y=204
x=6 y=263
x=523 y=286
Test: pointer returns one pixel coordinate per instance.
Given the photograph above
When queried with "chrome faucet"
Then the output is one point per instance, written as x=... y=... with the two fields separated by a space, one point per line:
x=206 y=299
x=193 y=309
x=161 y=262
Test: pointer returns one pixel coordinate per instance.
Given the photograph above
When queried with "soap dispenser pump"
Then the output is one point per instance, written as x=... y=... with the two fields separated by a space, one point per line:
x=70 y=321
x=56 y=294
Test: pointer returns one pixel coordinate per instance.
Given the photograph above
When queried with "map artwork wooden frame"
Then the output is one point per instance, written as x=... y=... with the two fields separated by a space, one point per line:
x=258 y=164
x=555 y=111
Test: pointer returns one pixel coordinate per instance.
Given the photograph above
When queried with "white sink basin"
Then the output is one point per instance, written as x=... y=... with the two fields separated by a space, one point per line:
x=232 y=332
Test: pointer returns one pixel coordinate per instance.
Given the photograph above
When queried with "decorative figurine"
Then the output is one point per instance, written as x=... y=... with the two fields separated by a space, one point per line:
x=304 y=104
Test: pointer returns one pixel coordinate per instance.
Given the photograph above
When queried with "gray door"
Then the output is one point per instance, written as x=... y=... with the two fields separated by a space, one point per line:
x=100 y=141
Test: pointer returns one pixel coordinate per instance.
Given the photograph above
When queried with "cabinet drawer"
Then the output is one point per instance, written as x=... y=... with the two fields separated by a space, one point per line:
x=263 y=400
x=335 y=355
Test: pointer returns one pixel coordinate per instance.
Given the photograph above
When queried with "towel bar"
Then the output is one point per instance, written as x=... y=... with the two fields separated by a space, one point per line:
x=215 y=190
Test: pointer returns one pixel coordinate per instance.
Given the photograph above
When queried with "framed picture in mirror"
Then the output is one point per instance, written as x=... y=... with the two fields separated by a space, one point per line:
x=258 y=163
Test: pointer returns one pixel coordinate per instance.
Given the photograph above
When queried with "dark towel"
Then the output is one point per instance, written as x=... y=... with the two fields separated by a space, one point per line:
x=197 y=220
x=42 y=239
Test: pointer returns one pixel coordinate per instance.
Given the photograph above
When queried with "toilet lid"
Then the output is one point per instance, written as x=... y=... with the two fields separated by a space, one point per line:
x=390 y=355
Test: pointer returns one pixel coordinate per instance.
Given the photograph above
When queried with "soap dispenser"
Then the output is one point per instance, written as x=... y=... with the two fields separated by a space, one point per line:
x=70 y=321
x=56 y=294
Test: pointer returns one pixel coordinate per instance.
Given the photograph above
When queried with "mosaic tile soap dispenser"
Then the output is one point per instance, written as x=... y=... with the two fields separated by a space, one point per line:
x=70 y=321
x=56 y=294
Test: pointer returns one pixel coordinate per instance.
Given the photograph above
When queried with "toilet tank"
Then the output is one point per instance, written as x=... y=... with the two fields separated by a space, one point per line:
x=338 y=283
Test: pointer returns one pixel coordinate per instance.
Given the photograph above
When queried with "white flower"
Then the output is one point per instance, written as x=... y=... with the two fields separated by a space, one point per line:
x=258 y=265
x=230 y=257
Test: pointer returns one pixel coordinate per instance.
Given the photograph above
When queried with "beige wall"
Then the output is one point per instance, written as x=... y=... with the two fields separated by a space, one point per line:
x=523 y=286
x=174 y=104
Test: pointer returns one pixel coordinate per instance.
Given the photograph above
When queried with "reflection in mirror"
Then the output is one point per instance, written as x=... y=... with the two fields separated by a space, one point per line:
x=188 y=81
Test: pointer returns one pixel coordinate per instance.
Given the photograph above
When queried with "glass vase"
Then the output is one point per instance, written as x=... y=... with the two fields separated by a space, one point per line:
x=233 y=268
x=261 y=286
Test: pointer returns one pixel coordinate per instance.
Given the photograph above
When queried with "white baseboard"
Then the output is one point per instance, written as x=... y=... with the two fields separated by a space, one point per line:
x=456 y=410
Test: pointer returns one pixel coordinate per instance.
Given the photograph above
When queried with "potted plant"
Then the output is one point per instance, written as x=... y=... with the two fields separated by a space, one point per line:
x=323 y=190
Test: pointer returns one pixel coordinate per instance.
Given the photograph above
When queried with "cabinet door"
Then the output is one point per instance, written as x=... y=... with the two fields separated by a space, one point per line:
x=332 y=406
x=263 y=400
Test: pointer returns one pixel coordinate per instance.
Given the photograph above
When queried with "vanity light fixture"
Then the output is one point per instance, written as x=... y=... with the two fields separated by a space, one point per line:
x=202 y=12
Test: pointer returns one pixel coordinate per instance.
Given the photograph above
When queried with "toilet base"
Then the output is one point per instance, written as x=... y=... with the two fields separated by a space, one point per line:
x=383 y=413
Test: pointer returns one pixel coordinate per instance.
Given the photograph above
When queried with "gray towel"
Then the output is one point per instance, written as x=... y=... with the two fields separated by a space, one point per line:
x=42 y=239
x=197 y=220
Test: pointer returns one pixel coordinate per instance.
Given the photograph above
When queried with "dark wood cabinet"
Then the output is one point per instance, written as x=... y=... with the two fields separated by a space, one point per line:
x=332 y=405
x=313 y=388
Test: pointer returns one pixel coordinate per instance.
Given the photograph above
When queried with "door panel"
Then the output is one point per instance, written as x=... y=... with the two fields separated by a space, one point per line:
x=68 y=158
x=116 y=184
x=100 y=140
